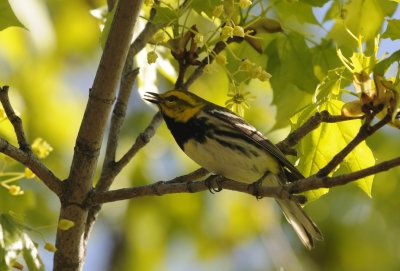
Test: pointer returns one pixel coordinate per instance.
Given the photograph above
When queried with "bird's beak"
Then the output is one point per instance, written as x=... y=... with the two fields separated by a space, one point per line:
x=152 y=97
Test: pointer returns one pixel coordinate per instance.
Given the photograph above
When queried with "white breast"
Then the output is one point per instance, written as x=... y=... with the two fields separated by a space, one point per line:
x=231 y=163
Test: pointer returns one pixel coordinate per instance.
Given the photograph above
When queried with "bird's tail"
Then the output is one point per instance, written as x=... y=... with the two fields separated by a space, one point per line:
x=304 y=227
x=302 y=224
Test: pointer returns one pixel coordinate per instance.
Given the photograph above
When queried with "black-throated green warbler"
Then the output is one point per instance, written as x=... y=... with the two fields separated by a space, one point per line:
x=225 y=144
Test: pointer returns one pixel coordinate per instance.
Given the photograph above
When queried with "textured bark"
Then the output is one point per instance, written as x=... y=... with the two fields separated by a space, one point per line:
x=70 y=244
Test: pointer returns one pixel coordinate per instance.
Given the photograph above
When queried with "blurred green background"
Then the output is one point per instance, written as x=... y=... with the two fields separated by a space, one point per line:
x=51 y=67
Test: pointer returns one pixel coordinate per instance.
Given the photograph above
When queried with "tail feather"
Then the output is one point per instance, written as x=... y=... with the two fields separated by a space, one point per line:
x=302 y=224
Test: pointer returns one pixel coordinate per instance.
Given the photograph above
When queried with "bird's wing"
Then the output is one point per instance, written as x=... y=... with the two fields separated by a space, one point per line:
x=250 y=132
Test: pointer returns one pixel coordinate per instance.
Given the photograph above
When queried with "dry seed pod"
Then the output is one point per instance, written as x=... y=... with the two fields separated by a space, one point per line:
x=352 y=109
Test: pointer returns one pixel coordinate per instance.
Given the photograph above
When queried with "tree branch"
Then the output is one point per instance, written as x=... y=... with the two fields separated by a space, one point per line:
x=315 y=182
x=145 y=36
x=24 y=154
x=171 y=187
x=114 y=168
x=311 y=124
x=71 y=244
x=118 y=116
x=216 y=182
x=34 y=164
x=219 y=47
x=365 y=131
x=14 y=119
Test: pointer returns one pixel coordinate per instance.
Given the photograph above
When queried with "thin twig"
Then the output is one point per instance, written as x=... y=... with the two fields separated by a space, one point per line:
x=113 y=168
x=215 y=181
x=311 y=124
x=29 y=160
x=14 y=119
x=365 y=131
x=118 y=115
x=192 y=176
x=141 y=141
x=162 y=188
x=315 y=182
x=219 y=47
x=145 y=36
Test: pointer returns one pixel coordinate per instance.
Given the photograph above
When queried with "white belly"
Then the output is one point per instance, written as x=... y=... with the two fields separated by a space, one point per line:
x=231 y=163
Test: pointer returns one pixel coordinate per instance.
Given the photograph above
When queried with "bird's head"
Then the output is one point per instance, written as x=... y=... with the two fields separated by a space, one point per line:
x=178 y=105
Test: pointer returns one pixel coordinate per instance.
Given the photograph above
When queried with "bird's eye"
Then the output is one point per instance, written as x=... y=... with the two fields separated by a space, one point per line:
x=172 y=98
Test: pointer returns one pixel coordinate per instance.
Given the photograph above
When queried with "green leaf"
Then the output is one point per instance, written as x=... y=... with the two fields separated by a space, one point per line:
x=324 y=58
x=7 y=16
x=362 y=17
x=243 y=50
x=289 y=62
x=383 y=66
x=164 y=15
x=320 y=146
x=107 y=26
x=206 y=6
x=293 y=80
x=31 y=254
x=392 y=30
x=301 y=11
x=316 y=3
x=13 y=241
x=309 y=149
x=329 y=88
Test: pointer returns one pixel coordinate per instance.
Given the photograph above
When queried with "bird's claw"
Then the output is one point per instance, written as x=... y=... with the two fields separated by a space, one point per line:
x=208 y=182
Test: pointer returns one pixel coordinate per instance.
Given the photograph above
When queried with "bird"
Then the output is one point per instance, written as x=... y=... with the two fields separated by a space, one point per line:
x=225 y=144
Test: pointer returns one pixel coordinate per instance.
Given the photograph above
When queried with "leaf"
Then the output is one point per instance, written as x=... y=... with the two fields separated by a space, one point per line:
x=13 y=241
x=206 y=6
x=383 y=66
x=320 y=146
x=164 y=15
x=289 y=62
x=298 y=10
x=324 y=58
x=7 y=16
x=31 y=254
x=265 y=25
x=392 y=30
x=107 y=26
x=329 y=88
x=293 y=80
x=317 y=3
x=361 y=17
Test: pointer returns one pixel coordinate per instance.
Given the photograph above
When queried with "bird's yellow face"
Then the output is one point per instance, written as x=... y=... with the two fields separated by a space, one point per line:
x=178 y=105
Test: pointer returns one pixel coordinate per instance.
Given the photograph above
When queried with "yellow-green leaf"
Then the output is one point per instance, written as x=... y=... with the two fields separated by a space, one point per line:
x=7 y=17
x=13 y=242
x=321 y=145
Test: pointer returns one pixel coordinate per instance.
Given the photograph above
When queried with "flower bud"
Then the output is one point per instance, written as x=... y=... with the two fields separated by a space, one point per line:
x=15 y=190
x=208 y=68
x=238 y=31
x=244 y=3
x=218 y=10
x=159 y=37
x=65 y=224
x=255 y=72
x=264 y=76
x=151 y=57
x=50 y=247
x=246 y=65
x=227 y=31
x=221 y=59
